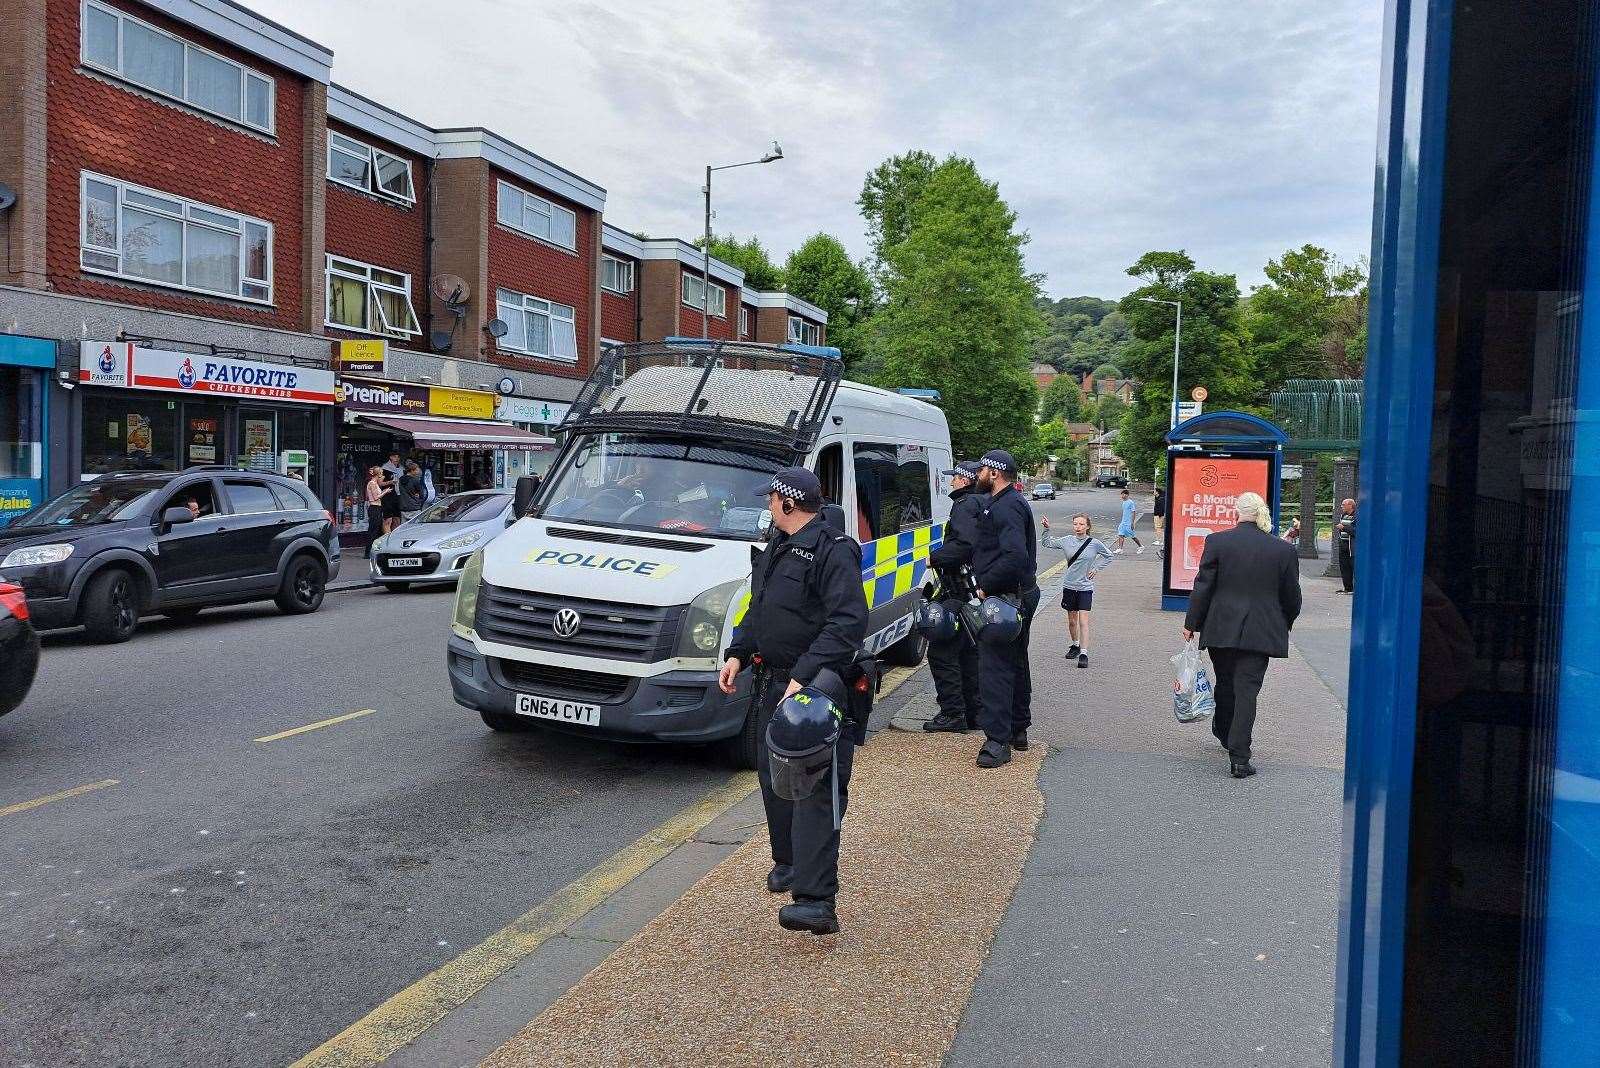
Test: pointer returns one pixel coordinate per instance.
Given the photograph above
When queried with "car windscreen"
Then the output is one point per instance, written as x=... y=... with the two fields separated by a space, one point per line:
x=465 y=508
x=93 y=502
x=660 y=482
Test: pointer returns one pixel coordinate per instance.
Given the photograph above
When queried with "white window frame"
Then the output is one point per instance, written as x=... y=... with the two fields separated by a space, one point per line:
x=245 y=73
x=539 y=205
x=345 y=267
x=802 y=332
x=373 y=155
x=187 y=218
x=620 y=266
x=526 y=304
x=744 y=319
x=719 y=305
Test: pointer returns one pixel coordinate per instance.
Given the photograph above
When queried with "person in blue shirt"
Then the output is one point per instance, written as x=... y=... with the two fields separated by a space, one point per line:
x=1125 y=527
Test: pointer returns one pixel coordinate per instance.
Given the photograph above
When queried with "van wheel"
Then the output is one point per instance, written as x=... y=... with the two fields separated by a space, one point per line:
x=907 y=652
x=304 y=584
x=111 y=606
x=744 y=748
x=501 y=721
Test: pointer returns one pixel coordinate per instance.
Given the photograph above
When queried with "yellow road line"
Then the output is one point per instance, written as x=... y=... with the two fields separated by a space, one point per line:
x=12 y=810
x=318 y=725
x=892 y=680
x=406 y=1015
x=1050 y=572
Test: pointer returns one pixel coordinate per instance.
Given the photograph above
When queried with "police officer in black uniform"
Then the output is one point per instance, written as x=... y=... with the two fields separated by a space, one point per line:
x=954 y=664
x=1005 y=562
x=807 y=613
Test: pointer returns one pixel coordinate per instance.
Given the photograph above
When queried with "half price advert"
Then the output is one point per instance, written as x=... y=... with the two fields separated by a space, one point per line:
x=1205 y=490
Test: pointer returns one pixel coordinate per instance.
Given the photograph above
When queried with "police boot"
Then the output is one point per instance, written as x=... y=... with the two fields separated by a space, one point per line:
x=942 y=722
x=994 y=754
x=817 y=917
x=780 y=879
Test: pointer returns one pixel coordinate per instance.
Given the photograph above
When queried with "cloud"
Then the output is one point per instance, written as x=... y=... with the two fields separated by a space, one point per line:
x=1234 y=129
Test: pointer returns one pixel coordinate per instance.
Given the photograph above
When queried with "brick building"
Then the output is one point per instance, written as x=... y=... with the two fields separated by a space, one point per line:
x=784 y=317
x=620 y=310
x=670 y=287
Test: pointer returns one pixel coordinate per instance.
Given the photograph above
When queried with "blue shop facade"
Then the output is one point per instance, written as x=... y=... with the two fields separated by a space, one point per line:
x=27 y=365
x=1470 y=906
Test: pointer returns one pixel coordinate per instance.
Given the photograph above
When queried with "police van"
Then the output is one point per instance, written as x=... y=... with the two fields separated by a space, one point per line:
x=606 y=609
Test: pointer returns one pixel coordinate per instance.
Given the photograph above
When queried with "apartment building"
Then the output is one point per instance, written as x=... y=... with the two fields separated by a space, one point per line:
x=784 y=318
x=673 y=291
x=621 y=315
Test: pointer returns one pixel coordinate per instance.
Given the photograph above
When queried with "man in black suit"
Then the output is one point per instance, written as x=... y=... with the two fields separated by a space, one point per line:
x=1246 y=597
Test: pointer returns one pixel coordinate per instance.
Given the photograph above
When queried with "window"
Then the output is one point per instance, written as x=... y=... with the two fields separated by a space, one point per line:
x=21 y=423
x=694 y=295
x=537 y=216
x=537 y=327
x=199 y=492
x=744 y=321
x=248 y=498
x=893 y=491
x=370 y=299
x=804 y=333
x=616 y=275
x=138 y=233
x=128 y=431
x=371 y=170
x=153 y=59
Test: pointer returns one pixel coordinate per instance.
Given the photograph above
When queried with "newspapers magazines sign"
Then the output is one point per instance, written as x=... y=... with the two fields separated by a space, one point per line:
x=1205 y=489
x=128 y=366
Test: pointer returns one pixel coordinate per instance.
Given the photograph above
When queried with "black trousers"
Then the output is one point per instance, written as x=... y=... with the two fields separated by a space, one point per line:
x=374 y=526
x=1347 y=566
x=954 y=666
x=1240 y=674
x=802 y=831
x=1005 y=680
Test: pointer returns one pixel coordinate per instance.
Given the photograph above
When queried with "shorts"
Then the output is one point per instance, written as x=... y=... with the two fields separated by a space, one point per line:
x=391 y=507
x=1076 y=600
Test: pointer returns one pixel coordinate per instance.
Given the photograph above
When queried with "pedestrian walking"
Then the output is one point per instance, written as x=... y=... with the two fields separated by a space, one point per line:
x=1245 y=599
x=392 y=470
x=410 y=491
x=954 y=664
x=1005 y=564
x=1159 y=511
x=1125 y=526
x=1345 y=533
x=805 y=624
x=1087 y=556
x=374 y=498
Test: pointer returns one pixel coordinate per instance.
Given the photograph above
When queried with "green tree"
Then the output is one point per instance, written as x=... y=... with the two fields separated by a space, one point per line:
x=822 y=272
x=1215 y=349
x=960 y=313
x=889 y=198
x=1062 y=401
x=750 y=256
x=1303 y=320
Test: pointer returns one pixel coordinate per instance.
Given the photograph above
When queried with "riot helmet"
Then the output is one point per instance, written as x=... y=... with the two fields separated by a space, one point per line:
x=937 y=623
x=801 y=737
x=1000 y=621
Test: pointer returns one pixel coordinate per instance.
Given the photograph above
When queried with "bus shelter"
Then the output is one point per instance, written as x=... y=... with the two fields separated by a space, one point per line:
x=1211 y=460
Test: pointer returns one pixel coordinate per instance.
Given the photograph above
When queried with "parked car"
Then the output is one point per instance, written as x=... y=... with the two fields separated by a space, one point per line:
x=433 y=548
x=19 y=647
x=1108 y=477
x=107 y=552
x=1044 y=491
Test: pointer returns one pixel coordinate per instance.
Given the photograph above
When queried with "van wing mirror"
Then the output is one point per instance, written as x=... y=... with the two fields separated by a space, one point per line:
x=527 y=486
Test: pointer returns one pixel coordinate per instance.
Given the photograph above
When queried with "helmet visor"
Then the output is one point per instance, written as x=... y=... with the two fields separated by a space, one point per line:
x=794 y=778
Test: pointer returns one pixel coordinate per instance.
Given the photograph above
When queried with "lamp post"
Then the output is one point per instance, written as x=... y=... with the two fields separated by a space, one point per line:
x=705 y=269
x=1177 y=336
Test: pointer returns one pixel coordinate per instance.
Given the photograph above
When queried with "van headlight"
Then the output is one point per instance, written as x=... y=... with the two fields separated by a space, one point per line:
x=467 y=591
x=701 y=633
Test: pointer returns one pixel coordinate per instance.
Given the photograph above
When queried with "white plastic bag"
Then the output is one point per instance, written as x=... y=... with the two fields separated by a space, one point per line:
x=1192 y=698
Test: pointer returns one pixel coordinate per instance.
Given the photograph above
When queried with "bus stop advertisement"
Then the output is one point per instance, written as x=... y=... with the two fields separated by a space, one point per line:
x=1211 y=460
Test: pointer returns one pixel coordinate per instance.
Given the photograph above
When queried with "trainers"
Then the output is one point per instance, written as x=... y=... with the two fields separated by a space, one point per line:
x=1139 y=551
x=1072 y=651
x=942 y=722
x=1083 y=660
x=993 y=754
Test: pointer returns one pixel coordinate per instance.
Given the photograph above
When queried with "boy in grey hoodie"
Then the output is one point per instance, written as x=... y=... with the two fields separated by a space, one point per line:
x=1087 y=556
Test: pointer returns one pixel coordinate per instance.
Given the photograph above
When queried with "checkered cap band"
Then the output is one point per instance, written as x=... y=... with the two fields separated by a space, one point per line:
x=994 y=464
x=788 y=490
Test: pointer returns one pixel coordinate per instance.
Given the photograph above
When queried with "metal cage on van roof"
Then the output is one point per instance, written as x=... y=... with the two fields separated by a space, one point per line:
x=765 y=394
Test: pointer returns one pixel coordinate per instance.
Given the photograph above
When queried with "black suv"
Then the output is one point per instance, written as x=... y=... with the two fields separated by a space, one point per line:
x=104 y=553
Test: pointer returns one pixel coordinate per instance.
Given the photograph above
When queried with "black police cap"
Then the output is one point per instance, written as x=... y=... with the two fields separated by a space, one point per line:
x=967 y=469
x=798 y=485
x=1001 y=461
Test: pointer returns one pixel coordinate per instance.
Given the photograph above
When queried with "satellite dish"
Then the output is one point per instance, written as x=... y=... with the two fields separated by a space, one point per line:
x=451 y=290
x=7 y=197
x=441 y=339
x=496 y=328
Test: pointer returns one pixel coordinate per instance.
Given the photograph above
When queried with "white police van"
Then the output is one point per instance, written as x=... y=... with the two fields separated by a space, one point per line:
x=606 y=610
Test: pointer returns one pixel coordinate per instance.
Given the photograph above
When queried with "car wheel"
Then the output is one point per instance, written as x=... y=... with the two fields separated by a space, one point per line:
x=181 y=615
x=304 y=584
x=502 y=721
x=907 y=652
x=395 y=587
x=19 y=663
x=111 y=604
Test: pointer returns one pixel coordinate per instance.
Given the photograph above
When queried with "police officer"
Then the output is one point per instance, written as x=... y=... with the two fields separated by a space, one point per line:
x=1004 y=562
x=807 y=614
x=954 y=664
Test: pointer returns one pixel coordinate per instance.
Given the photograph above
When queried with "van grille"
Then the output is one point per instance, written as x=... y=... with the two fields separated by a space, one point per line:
x=639 y=633
x=548 y=680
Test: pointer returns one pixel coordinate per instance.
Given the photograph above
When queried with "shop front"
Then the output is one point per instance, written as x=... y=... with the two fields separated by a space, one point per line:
x=536 y=416
x=26 y=364
x=453 y=433
x=148 y=409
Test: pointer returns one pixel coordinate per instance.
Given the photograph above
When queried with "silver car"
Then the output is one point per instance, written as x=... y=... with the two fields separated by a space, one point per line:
x=433 y=547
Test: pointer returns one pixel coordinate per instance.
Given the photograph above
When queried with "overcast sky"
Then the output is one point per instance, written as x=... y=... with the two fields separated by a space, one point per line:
x=1232 y=128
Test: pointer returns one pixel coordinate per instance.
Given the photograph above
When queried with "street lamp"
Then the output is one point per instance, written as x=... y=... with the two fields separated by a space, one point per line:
x=1177 y=336
x=705 y=271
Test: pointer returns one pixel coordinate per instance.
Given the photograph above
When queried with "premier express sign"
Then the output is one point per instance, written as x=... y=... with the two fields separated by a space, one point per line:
x=128 y=366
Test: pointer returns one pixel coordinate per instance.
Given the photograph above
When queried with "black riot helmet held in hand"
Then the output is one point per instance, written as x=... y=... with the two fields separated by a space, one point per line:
x=1000 y=621
x=801 y=737
x=937 y=623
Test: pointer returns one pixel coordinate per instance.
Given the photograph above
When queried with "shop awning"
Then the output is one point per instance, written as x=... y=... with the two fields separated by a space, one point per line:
x=431 y=433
